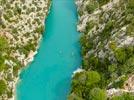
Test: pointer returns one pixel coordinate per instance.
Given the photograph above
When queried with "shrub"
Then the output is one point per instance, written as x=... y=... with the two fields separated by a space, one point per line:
x=90 y=7
x=3 y=44
x=92 y=77
x=98 y=94
x=120 y=55
x=3 y=87
x=125 y=96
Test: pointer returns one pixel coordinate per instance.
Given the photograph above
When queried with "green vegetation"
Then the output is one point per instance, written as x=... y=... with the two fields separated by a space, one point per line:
x=98 y=94
x=124 y=96
x=3 y=44
x=3 y=87
x=40 y=29
x=3 y=49
x=91 y=6
x=83 y=83
x=102 y=2
x=107 y=62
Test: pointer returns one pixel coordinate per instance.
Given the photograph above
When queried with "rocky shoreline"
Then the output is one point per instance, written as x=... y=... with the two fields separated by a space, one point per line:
x=22 y=25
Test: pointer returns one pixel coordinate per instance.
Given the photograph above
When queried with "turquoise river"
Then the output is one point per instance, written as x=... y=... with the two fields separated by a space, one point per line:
x=48 y=77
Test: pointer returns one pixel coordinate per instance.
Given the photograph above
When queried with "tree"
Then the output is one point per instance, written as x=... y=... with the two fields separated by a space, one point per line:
x=83 y=82
x=98 y=94
x=120 y=55
x=3 y=44
x=3 y=87
x=90 y=7
x=102 y=2
x=130 y=30
x=74 y=97
x=125 y=96
x=129 y=17
x=78 y=84
x=130 y=6
x=40 y=29
x=92 y=77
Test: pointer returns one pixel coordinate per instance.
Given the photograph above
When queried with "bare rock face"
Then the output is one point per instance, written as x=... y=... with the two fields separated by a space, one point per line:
x=129 y=84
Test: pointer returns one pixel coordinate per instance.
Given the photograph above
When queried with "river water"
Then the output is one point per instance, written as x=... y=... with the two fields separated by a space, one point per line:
x=48 y=77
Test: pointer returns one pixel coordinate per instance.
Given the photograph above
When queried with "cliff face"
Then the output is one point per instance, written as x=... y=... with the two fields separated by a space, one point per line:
x=107 y=40
x=21 y=28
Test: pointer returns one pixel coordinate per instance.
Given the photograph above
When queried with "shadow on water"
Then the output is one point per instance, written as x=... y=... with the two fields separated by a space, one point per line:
x=59 y=89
